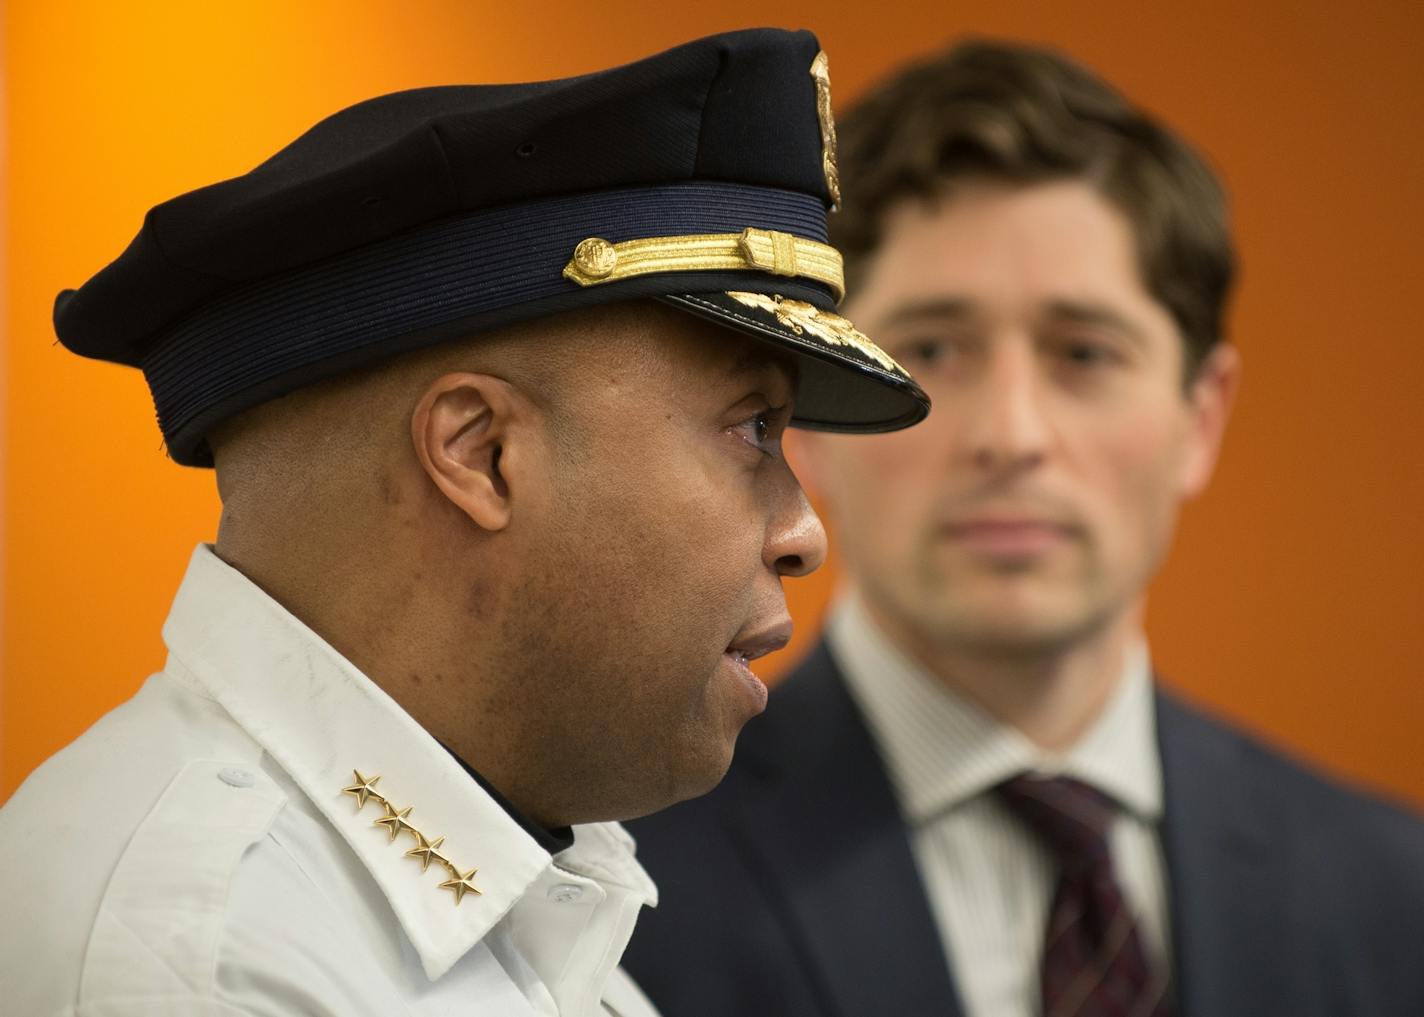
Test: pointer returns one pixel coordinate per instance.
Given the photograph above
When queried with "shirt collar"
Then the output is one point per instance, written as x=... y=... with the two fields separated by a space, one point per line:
x=941 y=749
x=320 y=719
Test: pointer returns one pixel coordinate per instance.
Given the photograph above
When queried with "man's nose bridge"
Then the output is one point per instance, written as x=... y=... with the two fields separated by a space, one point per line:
x=795 y=542
x=1010 y=405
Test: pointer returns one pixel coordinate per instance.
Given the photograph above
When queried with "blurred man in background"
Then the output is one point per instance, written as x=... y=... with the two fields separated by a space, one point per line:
x=972 y=798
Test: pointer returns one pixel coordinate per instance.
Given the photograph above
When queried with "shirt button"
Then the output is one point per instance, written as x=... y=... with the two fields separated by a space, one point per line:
x=565 y=893
x=234 y=777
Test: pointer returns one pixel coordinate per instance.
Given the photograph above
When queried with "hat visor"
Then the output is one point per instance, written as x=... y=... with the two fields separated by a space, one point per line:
x=846 y=383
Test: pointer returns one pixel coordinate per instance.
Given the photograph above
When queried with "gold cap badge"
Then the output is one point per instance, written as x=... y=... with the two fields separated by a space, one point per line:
x=821 y=74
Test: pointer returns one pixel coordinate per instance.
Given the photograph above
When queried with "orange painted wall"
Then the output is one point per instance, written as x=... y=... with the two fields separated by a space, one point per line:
x=1293 y=598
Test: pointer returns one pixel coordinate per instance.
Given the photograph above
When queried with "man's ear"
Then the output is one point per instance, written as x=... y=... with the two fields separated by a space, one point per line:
x=462 y=429
x=1211 y=396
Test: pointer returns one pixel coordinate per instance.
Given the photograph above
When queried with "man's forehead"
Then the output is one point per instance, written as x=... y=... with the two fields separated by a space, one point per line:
x=648 y=348
x=1048 y=231
x=756 y=361
x=714 y=353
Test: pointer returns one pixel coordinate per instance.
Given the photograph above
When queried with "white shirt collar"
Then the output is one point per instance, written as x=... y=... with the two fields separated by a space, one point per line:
x=319 y=719
x=941 y=749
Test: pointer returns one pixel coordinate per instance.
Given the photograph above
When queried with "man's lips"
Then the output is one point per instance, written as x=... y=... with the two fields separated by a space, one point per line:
x=1012 y=535
x=746 y=647
x=749 y=645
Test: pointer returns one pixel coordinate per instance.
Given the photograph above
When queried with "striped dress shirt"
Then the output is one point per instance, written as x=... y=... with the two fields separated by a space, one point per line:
x=990 y=883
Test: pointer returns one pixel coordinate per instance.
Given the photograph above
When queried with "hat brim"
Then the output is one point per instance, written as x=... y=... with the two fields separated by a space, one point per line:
x=847 y=383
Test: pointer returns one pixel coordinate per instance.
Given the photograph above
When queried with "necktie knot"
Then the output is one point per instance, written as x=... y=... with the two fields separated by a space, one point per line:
x=1069 y=817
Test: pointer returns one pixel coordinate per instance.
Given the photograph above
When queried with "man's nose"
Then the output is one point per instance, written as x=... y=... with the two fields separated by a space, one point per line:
x=1006 y=427
x=795 y=539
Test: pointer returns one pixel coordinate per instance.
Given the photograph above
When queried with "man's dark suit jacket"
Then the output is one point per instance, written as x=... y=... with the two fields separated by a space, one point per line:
x=791 y=890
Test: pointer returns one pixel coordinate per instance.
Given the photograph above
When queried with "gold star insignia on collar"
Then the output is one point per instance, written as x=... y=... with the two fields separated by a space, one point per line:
x=427 y=850
x=396 y=821
x=364 y=789
x=461 y=883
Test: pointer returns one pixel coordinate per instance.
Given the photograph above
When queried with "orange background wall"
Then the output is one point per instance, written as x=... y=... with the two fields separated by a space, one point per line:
x=1293 y=598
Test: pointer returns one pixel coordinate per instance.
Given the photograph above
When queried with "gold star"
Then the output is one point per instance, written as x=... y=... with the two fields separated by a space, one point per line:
x=363 y=789
x=395 y=821
x=426 y=850
x=461 y=883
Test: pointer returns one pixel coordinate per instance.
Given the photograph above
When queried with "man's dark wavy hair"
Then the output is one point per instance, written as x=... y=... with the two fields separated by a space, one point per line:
x=1026 y=115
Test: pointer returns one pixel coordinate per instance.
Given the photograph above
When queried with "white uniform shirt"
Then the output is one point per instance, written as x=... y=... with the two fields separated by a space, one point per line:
x=194 y=853
x=990 y=881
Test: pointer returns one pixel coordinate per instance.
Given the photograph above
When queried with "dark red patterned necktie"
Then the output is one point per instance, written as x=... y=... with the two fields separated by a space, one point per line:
x=1094 y=964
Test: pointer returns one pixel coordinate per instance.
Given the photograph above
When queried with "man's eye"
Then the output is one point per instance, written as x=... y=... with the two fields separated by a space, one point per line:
x=924 y=352
x=757 y=429
x=1088 y=353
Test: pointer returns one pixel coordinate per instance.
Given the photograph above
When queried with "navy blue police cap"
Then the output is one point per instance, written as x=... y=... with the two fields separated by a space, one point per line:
x=701 y=177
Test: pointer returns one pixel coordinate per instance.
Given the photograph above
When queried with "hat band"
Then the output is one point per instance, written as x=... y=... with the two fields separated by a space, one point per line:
x=597 y=261
x=449 y=278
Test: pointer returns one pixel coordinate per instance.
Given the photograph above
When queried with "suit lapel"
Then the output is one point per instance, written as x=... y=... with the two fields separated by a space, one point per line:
x=826 y=830
x=1226 y=898
x=823 y=826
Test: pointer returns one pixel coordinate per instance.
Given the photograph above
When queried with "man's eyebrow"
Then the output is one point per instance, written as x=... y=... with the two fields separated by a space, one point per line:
x=1092 y=313
x=940 y=307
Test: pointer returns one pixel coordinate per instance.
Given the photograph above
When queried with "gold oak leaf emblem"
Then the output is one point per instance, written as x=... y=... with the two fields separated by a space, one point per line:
x=363 y=789
x=426 y=850
x=395 y=821
x=461 y=883
x=801 y=318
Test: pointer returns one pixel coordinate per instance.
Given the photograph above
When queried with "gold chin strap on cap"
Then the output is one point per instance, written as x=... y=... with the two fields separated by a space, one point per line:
x=597 y=261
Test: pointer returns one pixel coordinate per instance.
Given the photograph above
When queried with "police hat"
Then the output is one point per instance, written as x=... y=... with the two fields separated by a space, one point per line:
x=701 y=177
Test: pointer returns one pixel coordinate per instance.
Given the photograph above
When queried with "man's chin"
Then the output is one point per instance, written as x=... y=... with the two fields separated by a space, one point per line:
x=695 y=774
x=1011 y=628
x=710 y=778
